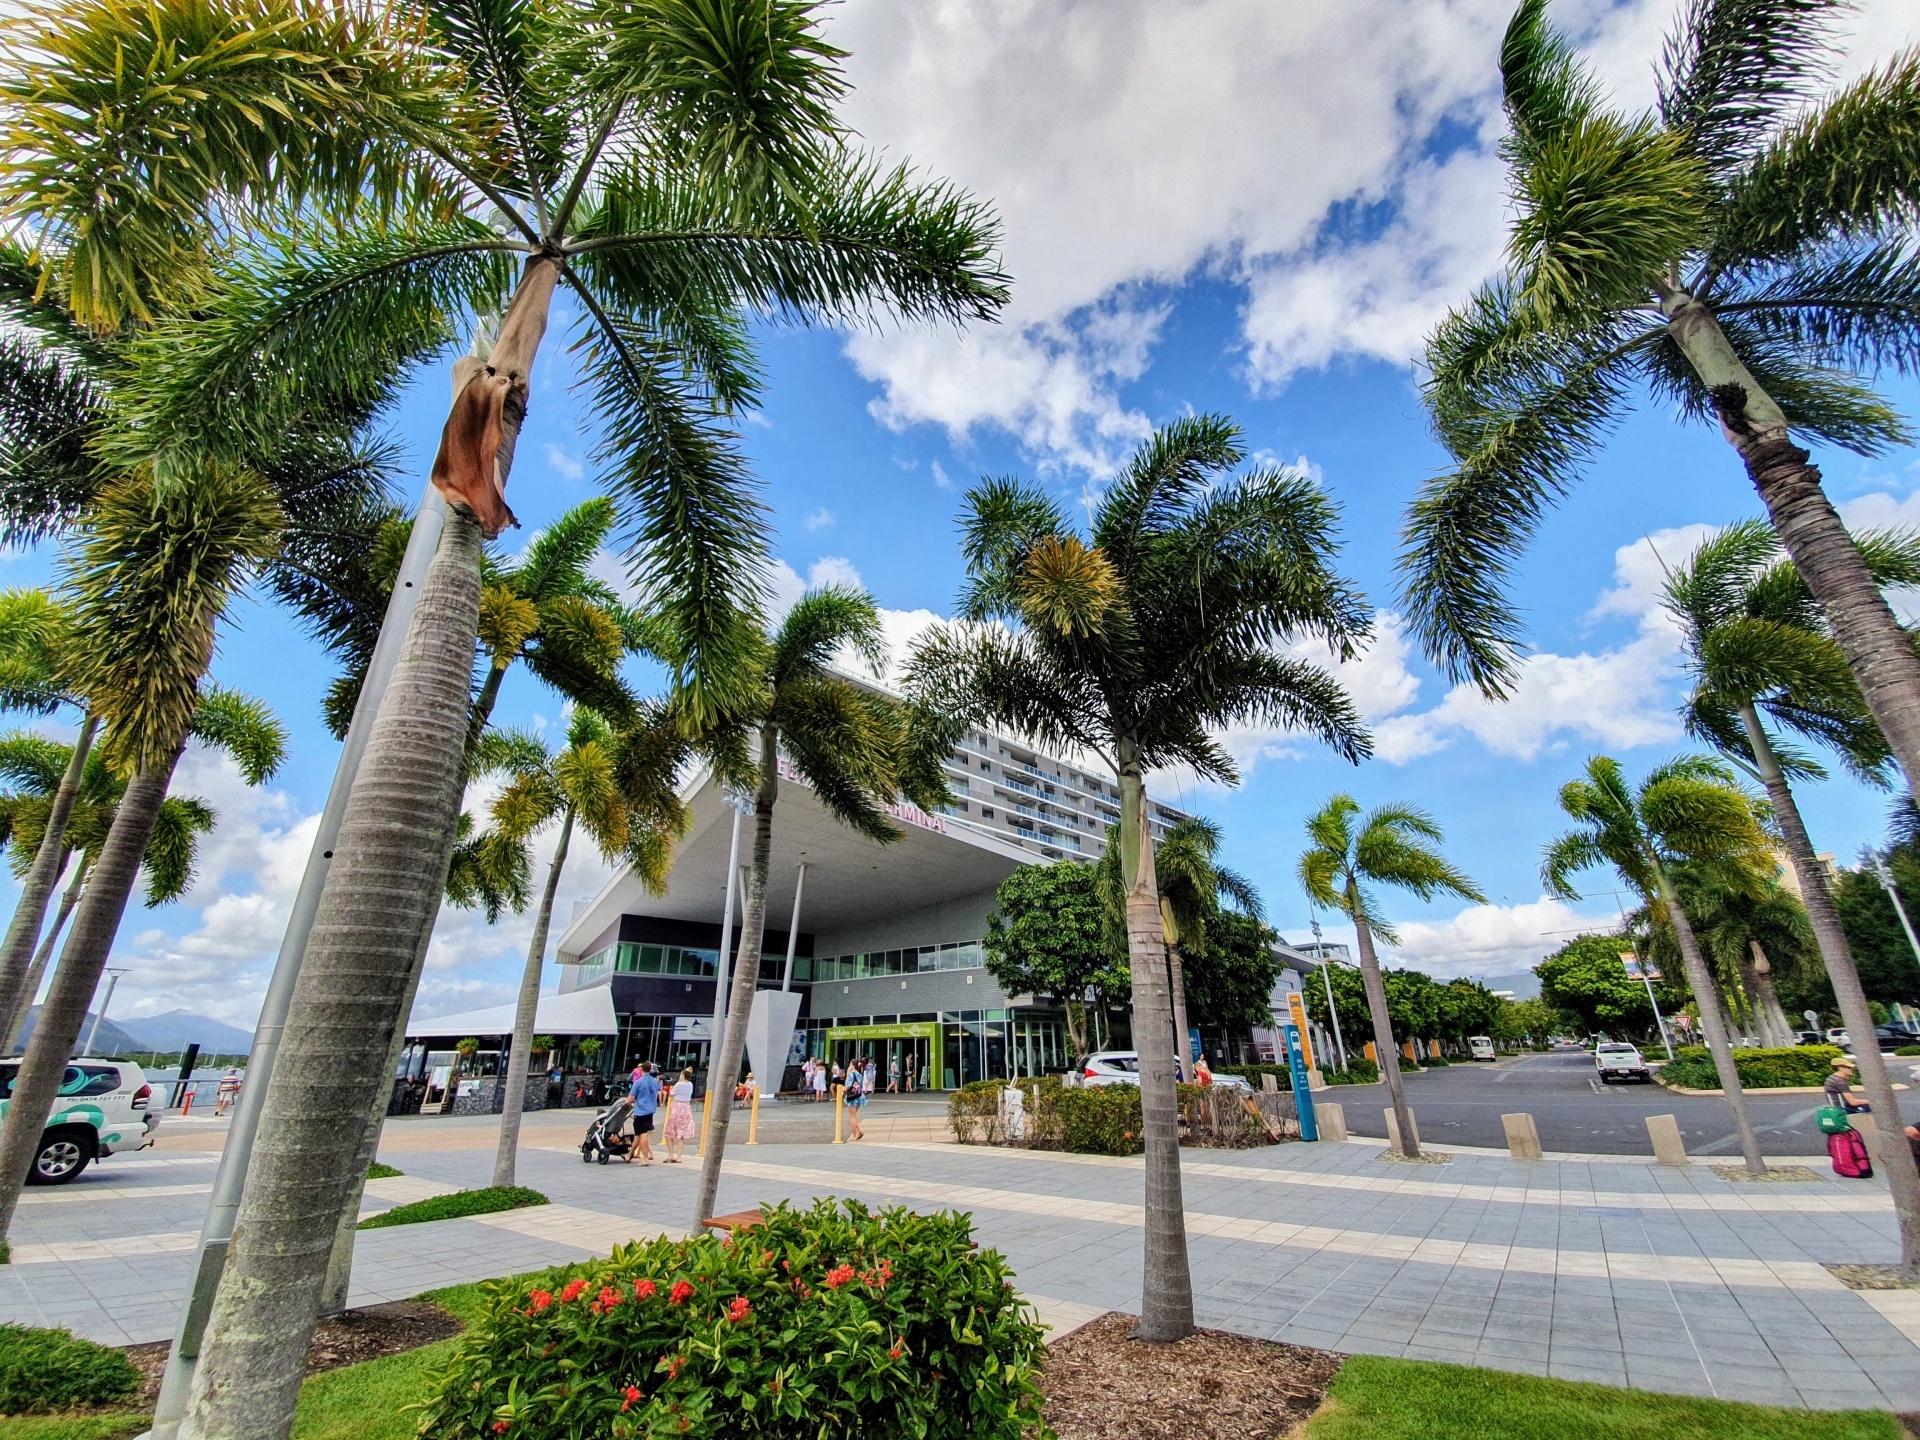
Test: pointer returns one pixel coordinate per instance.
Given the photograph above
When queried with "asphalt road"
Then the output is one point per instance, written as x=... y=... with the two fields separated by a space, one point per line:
x=1462 y=1105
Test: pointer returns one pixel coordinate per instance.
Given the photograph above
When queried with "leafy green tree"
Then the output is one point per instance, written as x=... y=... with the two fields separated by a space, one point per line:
x=1172 y=623
x=1466 y=1008
x=1586 y=980
x=1745 y=253
x=1393 y=845
x=1530 y=1021
x=1686 y=810
x=1888 y=969
x=850 y=744
x=1048 y=935
x=1230 y=978
x=1755 y=935
x=1349 y=995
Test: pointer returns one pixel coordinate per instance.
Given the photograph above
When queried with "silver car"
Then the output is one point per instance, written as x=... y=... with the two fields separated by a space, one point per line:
x=1122 y=1067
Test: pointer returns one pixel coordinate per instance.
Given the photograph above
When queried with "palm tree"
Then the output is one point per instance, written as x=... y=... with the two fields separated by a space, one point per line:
x=1191 y=885
x=1686 y=810
x=1392 y=845
x=619 y=788
x=1757 y=641
x=1745 y=253
x=150 y=583
x=1751 y=929
x=1136 y=647
x=849 y=744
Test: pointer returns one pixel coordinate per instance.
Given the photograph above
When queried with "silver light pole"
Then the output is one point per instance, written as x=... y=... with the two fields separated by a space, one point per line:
x=113 y=979
x=1326 y=977
x=1885 y=877
x=231 y=1178
x=793 y=925
x=742 y=806
x=1647 y=978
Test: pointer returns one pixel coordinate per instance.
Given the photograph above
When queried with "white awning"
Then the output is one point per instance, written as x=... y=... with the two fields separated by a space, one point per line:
x=584 y=1012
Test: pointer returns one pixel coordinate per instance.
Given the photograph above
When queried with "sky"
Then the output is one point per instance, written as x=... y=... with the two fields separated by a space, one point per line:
x=1224 y=206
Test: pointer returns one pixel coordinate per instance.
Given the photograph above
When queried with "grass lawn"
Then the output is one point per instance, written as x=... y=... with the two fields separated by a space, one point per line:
x=487 y=1201
x=1379 y=1399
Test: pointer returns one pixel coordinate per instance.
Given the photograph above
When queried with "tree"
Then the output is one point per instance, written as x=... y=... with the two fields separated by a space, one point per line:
x=1686 y=810
x=1349 y=994
x=1049 y=935
x=1745 y=254
x=1392 y=845
x=1586 y=980
x=1173 y=621
x=1742 y=922
x=849 y=744
x=1758 y=641
x=619 y=788
x=1526 y=1020
x=1466 y=1008
x=1229 y=976
x=1888 y=969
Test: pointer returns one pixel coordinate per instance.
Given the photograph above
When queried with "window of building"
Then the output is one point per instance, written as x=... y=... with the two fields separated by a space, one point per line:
x=986 y=812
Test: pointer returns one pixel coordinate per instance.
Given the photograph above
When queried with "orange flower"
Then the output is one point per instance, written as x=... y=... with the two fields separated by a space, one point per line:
x=839 y=1276
x=643 y=1289
x=575 y=1289
x=538 y=1301
x=739 y=1310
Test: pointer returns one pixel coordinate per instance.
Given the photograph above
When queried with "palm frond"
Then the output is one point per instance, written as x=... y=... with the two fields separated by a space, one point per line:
x=556 y=559
x=1852 y=306
x=242 y=726
x=819 y=624
x=1546 y=90
x=50 y=409
x=1001 y=520
x=174 y=847
x=984 y=675
x=845 y=742
x=1733 y=67
x=32 y=763
x=1161 y=480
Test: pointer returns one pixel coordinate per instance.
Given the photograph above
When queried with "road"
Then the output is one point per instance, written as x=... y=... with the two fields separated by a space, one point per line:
x=1462 y=1105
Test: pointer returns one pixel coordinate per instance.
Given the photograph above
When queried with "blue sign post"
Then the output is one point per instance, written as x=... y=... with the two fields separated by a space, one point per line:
x=1302 y=1095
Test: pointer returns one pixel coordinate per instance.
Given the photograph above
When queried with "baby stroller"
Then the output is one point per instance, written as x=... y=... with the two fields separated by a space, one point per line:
x=604 y=1139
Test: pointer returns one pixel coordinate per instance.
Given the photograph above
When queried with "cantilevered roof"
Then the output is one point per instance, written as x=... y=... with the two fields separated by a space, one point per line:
x=850 y=879
x=584 y=1012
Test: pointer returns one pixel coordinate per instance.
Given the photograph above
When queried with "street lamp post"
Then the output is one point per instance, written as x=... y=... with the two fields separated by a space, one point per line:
x=113 y=979
x=1326 y=978
x=1885 y=877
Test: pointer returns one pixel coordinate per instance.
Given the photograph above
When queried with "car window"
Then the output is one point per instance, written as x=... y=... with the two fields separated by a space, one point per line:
x=90 y=1080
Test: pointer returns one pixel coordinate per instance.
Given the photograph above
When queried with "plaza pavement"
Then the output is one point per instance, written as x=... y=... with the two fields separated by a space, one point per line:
x=1595 y=1268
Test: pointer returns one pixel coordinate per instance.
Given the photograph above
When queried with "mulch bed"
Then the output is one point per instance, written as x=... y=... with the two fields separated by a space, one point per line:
x=347 y=1339
x=1211 y=1386
x=1870 y=1277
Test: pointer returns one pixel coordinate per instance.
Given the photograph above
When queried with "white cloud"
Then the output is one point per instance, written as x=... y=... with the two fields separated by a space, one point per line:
x=1493 y=939
x=819 y=519
x=940 y=478
x=564 y=464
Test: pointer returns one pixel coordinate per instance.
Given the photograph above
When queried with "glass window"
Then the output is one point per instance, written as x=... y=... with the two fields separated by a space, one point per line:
x=649 y=961
x=802 y=970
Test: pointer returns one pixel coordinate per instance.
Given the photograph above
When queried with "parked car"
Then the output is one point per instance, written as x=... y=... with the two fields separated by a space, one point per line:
x=1480 y=1047
x=1840 y=1038
x=103 y=1107
x=1617 y=1060
x=1122 y=1067
x=1894 y=1036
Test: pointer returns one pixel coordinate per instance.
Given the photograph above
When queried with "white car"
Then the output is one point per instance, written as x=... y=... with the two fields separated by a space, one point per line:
x=1840 y=1038
x=1480 y=1047
x=1122 y=1067
x=102 y=1107
x=1617 y=1060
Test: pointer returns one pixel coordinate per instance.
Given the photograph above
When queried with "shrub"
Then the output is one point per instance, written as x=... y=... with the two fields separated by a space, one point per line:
x=973 y=1112
x=1692 y=1067
x=450 y=1207
x=833 y=1321
x=377 y=1171
x=56 y=1370
x=1908 y=1050
x=1359 y=1071
x=1101 y=1120
x=1436 y=1062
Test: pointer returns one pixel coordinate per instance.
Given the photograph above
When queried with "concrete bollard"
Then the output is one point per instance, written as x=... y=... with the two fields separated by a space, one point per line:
x=1332 y=1120
x=1270 y=1084
x=1393 y=1129
x=1316 y=1082
x=1668 y=1147
x=1523 y=1140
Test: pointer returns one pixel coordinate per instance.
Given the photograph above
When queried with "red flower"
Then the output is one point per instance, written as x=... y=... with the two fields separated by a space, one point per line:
x=680 y=1294
x=643 y=1289
x=538 y=1301
x=608 y=1298
x=499 y=1427
x=675 y=1366
x=739 y=1310
x=839 y=1276
x=895 y=1351
x=632 y=1397
x=575 y=1289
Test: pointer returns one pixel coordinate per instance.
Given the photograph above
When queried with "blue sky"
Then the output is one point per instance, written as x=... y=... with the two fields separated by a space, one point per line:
x=1219 y=206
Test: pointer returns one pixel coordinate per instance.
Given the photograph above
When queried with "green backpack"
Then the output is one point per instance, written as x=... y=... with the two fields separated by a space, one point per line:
x=1832 y=1120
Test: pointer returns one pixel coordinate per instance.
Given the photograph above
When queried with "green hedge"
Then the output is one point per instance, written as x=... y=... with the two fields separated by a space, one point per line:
x=1359 y=1071
x=1102 y=1120
x=56 y=1370
x=1692 y=1067
x=452 y=1207
x=838 y=1320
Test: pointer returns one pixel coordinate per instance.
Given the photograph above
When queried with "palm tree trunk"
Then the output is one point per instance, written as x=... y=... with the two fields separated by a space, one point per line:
x=1878 y=650
x=1166 y=1281
x=1711 y=1022
x=523 y=1015
x=37 y=972
x=1896 y=1156
x=483 y=703
x=724 y=1074
x=1769 y=998
x=1383 y=1030
x=16 y=953
x=381 y=899
x=74 y=982
x=1177 y=991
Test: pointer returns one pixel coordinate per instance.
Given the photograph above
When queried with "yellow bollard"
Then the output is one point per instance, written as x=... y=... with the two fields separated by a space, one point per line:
x=706 y=1119
x=753 y=1119
x=839 y=1112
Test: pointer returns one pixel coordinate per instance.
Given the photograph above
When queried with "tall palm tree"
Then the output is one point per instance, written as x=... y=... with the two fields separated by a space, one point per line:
x=1761 y=648
x=1392 y=845
x=150 y=583
x=619 y=788
x=1170 y=620
x=1752 y=930
x=849 y=744
x=1686 y=810
x=1745 y=253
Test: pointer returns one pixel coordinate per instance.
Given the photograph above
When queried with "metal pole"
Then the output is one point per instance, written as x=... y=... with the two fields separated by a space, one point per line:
x=231 y=1178
x=793 y=926
x=1885 y=877
x=1657 y=1020
x=113 y=979
x=1339 y=1043
x=721 y=970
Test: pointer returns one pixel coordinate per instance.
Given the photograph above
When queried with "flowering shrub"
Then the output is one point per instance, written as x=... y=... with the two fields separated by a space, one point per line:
x=837 y=1321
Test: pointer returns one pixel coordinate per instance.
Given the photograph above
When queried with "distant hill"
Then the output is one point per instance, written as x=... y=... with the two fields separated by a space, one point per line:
x=182 y=1027
x=111 y=1040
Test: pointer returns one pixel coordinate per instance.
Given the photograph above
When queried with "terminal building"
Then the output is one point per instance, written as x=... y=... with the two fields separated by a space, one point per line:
x=881 y=942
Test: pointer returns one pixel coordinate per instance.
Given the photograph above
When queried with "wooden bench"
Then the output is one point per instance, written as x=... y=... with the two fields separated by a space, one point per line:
x=739 y=1220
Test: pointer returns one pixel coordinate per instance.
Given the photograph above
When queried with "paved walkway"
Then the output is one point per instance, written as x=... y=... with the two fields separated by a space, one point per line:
x=1592 y=1269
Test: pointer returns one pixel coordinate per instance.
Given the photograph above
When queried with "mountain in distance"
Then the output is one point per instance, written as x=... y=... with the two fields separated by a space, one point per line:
x=111 y=1039
x=177 y=1028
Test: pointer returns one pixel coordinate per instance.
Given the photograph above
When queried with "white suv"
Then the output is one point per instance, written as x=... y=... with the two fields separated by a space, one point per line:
x=102 y=1107
x=1616 y=1060
x=1122 y=1067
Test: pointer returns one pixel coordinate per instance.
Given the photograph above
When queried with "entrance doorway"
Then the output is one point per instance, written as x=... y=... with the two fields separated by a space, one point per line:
x=905 y=1050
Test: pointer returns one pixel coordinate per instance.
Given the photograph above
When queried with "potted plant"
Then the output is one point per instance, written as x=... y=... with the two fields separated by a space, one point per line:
x=466 y=1050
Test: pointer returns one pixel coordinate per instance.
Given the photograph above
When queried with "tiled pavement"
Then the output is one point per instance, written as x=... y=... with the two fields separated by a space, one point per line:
x=1617 y=1272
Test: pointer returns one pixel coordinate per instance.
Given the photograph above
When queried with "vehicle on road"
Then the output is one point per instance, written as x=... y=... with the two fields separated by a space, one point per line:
x=1480 y=1047
x=1122 y=1067
x=103 y=1107
x=1617 y=1060
x=1840 y=1038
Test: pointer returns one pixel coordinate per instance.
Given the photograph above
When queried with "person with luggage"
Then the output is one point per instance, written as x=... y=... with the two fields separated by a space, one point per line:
x=1846 y=1147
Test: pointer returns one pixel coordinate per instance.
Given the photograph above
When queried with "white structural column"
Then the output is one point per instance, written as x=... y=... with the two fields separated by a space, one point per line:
x=793 y=925
x=722 y=969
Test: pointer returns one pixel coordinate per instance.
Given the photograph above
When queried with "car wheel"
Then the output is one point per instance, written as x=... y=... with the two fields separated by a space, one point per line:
x=1606 y=1079
x=63 y=1154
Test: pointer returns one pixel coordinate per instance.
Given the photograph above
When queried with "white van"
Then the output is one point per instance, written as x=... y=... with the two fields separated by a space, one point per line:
x=1481 y=1046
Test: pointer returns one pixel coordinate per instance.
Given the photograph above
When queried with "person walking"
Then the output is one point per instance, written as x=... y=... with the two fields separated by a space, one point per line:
x=856 y=1098
x=871 y=1080
x=679 y=1116
x=806 y=1076
x=819 y=1082
x=226 y=1092
x=893 y=1073
x=646 y=1105
x=1838 y=1084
